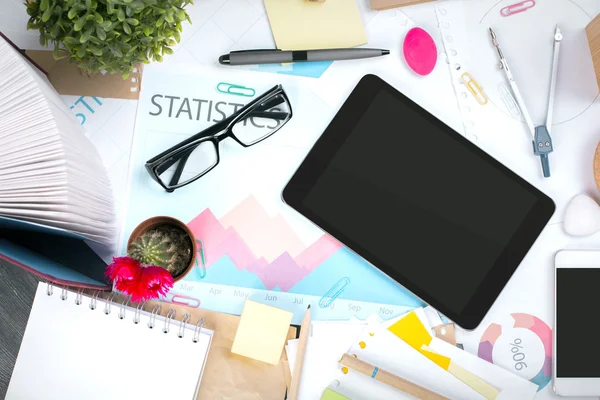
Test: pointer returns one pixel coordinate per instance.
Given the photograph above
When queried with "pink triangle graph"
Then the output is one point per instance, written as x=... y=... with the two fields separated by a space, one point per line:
x=261 y=244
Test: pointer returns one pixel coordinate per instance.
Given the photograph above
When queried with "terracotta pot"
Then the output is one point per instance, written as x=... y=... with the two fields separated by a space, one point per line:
x=152 y=223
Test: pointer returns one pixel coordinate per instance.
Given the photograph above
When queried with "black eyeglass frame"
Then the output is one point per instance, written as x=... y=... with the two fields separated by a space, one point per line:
x=215 y=134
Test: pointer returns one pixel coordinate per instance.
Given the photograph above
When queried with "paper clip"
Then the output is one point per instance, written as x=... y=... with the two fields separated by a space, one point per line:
x=509 y=101
x=517 y=8
x=238 y=90
x=474 y=88
x=200 y=270
x=334 y=292
x=180 y=299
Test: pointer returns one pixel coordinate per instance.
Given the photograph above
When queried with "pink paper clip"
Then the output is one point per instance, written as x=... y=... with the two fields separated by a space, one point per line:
x=517 y=8
x=180 y=299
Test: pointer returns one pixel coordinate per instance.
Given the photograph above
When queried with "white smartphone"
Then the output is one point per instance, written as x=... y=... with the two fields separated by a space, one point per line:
x=576 y=344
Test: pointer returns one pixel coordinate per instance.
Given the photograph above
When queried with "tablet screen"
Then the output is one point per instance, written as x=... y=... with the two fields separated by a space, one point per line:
x=432 y=212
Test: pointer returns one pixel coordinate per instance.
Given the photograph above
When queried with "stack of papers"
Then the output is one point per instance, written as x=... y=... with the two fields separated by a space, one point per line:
x=391 y=346
x=50 y=173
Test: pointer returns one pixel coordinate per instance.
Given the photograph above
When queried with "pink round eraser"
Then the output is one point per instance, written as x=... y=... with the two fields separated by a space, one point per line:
x=420 y=51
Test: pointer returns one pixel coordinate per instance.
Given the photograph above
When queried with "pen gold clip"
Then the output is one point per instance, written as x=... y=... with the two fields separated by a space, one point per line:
x=474 y=88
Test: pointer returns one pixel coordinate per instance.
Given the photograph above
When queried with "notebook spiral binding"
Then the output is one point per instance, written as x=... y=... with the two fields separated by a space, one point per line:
x=156 y=310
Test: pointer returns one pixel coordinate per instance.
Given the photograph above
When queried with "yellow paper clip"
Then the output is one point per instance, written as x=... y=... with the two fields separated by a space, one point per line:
x=474 y=88
x=238 y=90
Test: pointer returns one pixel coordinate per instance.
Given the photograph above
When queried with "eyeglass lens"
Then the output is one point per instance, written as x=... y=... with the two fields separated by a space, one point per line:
x=265 y=120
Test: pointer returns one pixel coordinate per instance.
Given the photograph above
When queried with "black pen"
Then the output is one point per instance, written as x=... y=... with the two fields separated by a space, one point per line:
x=251 y=57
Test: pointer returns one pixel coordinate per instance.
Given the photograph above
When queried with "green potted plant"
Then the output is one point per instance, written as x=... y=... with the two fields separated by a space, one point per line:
x=164 y=242
x=108 y=35
x=160 y=251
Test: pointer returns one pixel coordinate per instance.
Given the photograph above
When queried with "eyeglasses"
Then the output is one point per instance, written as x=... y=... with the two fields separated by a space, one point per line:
x=193 y=158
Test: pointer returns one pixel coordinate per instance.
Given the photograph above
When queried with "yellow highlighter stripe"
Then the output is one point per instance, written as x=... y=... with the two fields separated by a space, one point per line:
x=463 y=375
x=439 y=359
x=474 y=382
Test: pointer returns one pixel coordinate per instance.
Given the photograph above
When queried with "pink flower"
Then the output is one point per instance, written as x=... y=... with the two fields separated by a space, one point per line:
x=124 y=272
x=141 y=283
x=154 y=282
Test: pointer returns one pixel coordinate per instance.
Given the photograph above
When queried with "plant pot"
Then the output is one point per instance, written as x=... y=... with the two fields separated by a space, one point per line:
x=155 y=222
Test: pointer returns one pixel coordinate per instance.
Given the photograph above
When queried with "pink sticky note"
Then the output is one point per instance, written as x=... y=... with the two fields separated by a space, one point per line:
x=420 y=51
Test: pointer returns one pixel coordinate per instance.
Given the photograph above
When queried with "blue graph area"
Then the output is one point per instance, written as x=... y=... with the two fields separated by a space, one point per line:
x=362 y=281
x=309 y=69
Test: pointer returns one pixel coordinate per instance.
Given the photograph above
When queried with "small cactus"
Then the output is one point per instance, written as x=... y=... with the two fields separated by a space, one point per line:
x=164 y=246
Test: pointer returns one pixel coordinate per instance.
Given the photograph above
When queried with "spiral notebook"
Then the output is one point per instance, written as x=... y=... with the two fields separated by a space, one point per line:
x=81 y=347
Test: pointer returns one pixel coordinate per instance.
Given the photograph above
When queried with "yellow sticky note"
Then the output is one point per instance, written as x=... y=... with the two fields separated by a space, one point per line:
x=412 y=331
x=307 y=25
x=262 y=332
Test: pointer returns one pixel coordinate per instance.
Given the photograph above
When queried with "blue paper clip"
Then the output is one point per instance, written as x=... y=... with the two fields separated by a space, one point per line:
x=332 y=294
x=200 y=270
x=238 y=90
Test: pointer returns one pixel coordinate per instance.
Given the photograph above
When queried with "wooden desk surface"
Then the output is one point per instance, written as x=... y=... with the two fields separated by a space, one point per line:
x=17 y=289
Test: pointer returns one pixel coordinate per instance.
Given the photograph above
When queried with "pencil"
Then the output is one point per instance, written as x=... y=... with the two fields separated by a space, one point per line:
x=390 y=379
x=296 y=376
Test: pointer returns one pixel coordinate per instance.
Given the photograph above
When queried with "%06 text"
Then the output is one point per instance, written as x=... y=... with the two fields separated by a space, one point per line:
x=518 y=355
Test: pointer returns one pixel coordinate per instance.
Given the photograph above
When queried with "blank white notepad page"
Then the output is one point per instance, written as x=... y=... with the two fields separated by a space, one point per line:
x=70 y=351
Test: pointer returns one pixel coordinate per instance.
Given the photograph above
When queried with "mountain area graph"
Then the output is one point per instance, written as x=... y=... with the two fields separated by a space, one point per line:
x=249 y=248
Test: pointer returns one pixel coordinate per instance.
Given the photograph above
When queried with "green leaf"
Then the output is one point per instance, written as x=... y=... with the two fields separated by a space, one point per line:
x=100 y=33
x=169 y=18
x=120 y=15
x=86 y=35
x=177 y=36
x=129 y=11
x=126 y=28
x=125 y=75
x=72 y=13
x=168 y=50
x=160 y=21
x=57 y=55
x=98 y=18
x=115 y=51
x=32 y=25
x=106 y=25
x=44 y=5
x=46 y=15
x=81 y=52
x=132 y=21
x=55 y=31
x=180 y=15
x=95 y=51
x=79 y=24
x=70 y=41
x=110 y=8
